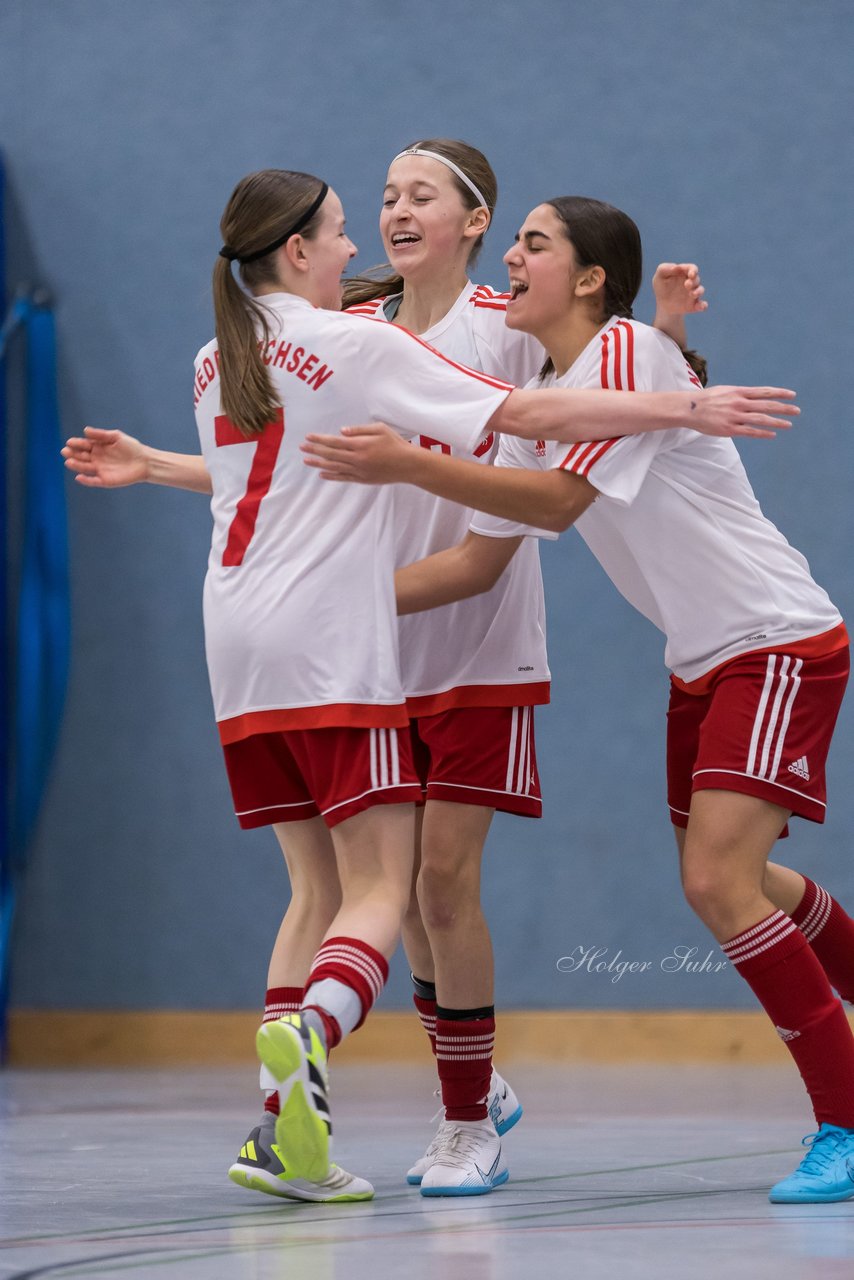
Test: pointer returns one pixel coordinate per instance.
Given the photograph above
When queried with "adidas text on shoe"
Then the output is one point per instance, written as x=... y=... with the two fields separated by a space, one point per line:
x=467 y=1160
x=259 y=1168
x=296 y=1059
x=826 y=1173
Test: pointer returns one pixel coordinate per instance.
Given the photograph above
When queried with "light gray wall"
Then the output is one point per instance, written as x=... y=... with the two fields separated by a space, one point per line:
x=722 y=128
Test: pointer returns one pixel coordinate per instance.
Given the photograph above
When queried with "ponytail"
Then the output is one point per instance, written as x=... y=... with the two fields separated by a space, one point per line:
x=265 y=209
x=246 y=389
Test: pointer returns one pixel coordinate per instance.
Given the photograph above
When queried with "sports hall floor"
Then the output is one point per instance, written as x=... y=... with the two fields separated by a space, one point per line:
x=642 y=1173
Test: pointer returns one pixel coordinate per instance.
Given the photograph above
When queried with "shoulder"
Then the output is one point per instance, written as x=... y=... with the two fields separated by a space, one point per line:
x=209 y=351
x=373 y=308
x=507 y=353
x=634 y=356
x=485 y=298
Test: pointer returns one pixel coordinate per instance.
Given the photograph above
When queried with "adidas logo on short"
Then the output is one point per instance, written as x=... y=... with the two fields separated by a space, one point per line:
x=787 y=1035
x=801 y=768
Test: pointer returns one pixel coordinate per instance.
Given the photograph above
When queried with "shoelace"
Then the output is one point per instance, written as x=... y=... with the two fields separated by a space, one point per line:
x=821 y=1154
x=454 y=1146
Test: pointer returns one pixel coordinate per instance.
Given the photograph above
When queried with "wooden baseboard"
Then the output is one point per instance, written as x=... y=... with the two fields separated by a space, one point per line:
x=66 y=1038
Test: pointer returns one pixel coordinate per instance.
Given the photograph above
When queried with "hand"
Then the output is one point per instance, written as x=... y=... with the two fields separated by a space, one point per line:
x=677 y=288
x=742 y=411
x=106 y=459
x=369 y=454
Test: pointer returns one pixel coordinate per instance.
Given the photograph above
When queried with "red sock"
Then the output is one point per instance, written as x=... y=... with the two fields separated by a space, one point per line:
x=464 y=1059
x=778 y=964
x=279 y=1000
x=830 y=932
x=424 y=1000
x=347 y=975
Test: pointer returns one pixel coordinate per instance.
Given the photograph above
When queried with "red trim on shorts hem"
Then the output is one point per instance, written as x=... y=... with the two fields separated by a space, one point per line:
x=485 y=798
x=801 y=806
x=333 y=715
x=534 y=694
x=403 y=793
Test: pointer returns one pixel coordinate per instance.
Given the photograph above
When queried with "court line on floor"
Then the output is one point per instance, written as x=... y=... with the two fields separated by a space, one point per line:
x=369 y=1208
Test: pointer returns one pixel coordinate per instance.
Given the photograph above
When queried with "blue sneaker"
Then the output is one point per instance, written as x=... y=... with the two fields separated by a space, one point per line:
x=826 y=1172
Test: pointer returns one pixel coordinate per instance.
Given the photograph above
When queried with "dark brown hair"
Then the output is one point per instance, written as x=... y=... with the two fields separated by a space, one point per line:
x=261 y=209
x=369 y=285
x=603 y=236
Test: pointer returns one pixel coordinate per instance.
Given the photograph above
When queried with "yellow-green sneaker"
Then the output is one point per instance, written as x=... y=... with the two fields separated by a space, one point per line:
x=258 y=1167
x=294 y=1055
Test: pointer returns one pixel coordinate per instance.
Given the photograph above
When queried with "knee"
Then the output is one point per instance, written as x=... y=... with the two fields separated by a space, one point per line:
x=719 y=898
x=445 y=892
x=314 y=901
x=705 y=895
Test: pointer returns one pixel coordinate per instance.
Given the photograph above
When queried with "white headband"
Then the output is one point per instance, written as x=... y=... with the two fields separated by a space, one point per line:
x=463 y=177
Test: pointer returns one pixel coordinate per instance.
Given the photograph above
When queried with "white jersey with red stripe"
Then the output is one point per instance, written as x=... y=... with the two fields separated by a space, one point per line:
x=489 y=650
x=676 y=525
x=300 y=619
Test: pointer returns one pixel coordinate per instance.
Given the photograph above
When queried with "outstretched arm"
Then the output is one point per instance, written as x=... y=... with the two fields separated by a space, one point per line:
x=102 y=459
x=473 y=566
x=570 y=415
x=377 y=455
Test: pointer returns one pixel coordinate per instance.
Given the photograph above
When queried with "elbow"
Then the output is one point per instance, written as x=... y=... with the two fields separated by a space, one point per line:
x=562 y=516
x=478 y=584
x=557 y=518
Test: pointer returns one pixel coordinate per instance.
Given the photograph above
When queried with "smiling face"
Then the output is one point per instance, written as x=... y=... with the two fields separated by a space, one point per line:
x=543 y=274
x=327 y=254
x=425 y=223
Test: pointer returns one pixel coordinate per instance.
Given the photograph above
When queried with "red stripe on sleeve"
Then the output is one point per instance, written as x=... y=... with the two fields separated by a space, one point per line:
x=630 y=354
x=618 y=359
x=603 y=376
x=599 y=452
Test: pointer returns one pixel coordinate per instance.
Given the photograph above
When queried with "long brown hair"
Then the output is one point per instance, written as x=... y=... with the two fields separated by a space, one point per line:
x=603 y=236
x=261 y=209
x=369 y=285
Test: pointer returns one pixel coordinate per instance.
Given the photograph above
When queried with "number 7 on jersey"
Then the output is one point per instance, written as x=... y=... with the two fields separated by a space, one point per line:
x=266 y=446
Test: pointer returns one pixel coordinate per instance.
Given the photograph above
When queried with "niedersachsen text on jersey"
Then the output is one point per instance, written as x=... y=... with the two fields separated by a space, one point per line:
x=279 y=355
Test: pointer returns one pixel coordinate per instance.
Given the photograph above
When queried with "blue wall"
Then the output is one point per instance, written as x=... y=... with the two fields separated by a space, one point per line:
x=722 y=128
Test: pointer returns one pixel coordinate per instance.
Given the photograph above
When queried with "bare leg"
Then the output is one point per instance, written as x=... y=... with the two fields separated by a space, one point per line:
x=374 y=854
x=315 y=899
x=416 y=944
x=724 y=855
x=449 y=894
x=784 y=887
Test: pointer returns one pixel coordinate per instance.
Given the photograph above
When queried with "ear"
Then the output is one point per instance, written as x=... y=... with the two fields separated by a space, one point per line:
x=478 y=222
x=294 y=252
x=590 y=280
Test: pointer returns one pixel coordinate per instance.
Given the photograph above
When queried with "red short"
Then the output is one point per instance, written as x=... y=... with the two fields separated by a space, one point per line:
x=303 y=773
x=763 y=729
x=479 y=755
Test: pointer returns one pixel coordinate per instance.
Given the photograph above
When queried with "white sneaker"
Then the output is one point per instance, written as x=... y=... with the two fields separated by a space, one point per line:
x=467 y=1161
x=503 y=1108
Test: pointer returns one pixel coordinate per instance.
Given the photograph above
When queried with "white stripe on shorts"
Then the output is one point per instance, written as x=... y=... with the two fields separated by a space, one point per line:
x=780 y=690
